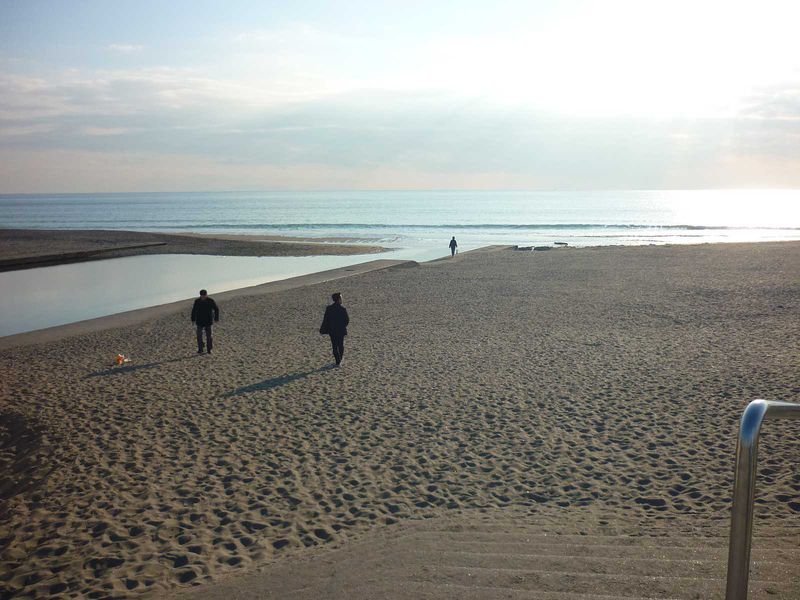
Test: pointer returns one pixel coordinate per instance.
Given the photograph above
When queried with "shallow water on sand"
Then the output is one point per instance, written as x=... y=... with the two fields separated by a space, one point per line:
x=48 y=296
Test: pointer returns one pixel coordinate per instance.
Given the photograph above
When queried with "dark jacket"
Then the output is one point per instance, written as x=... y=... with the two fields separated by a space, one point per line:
x=335 y=321
x=204 y=311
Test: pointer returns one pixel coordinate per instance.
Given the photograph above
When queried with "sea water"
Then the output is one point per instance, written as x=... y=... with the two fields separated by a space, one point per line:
x=427 y=219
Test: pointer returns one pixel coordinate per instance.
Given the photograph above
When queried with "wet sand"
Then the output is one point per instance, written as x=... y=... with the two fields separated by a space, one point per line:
x=600 y=378
x=27 y=248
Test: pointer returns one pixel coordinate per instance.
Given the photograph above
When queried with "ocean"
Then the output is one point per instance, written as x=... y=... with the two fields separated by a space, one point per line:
x=427 y=219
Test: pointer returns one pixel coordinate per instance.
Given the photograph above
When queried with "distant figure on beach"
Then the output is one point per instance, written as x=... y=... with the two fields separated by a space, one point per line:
x=204 y=313
x=334 y=324
x=453 y=246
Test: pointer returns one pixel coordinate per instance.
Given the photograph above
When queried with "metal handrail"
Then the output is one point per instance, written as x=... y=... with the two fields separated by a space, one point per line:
x=744 y=490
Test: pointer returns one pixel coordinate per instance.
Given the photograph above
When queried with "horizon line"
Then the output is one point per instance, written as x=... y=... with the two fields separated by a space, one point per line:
x=396 y=190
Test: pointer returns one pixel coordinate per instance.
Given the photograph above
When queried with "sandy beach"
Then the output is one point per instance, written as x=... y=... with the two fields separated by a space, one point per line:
x=538 y=383
x=26 y=248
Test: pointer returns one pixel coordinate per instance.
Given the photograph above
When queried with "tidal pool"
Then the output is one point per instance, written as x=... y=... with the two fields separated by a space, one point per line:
x=37 y=298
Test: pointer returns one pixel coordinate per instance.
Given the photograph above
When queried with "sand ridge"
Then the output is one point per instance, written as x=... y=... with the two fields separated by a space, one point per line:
x=610 y=377
x=28 y=248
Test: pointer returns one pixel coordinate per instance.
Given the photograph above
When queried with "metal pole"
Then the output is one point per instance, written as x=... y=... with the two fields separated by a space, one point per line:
x=744 y=490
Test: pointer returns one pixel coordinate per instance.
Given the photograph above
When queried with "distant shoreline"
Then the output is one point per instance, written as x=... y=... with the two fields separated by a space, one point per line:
x=30 y=248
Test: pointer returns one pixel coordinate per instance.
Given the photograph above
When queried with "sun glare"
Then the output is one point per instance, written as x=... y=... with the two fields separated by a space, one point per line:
x=733 y=208
x=639 y=61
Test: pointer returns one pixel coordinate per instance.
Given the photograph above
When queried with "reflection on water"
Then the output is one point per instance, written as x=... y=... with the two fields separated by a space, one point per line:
x=38 y=298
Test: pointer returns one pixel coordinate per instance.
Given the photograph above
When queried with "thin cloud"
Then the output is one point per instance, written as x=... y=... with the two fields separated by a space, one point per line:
x=126 y=48
x=181 y=111
x=24 y=130
x=140 y=91
x=295 y=35
x=777 y=102
x=104 y=131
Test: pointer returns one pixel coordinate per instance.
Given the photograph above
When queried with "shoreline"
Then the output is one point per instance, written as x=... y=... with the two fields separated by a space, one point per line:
x=515 y=383
x=257 y=237
x=31 y=248
x=138 y=315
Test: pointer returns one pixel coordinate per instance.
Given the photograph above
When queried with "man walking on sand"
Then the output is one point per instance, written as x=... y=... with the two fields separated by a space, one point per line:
x=334 y=324
x=453 y=246
x=204 y=313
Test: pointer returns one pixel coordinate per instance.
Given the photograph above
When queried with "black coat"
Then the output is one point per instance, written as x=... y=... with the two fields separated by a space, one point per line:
x=204 y=312
x=335 y=321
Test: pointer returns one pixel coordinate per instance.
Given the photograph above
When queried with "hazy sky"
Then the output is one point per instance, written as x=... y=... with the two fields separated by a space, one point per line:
x=195 y=95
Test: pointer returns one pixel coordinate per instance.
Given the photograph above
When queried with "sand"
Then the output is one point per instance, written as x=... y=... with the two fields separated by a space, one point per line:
x=27 y=248
x=601 y=378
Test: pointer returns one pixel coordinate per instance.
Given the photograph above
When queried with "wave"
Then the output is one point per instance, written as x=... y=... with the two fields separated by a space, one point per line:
x=461 y=226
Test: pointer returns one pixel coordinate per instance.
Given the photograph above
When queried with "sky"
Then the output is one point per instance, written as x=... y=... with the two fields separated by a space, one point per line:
x=105 y=96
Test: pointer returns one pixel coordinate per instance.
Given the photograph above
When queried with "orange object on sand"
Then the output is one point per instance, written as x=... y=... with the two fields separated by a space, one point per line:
x=121 y=359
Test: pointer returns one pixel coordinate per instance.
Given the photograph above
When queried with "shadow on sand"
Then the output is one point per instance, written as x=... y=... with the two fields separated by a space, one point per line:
x=268 y=384
x=129 y=368
x=24 y=468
